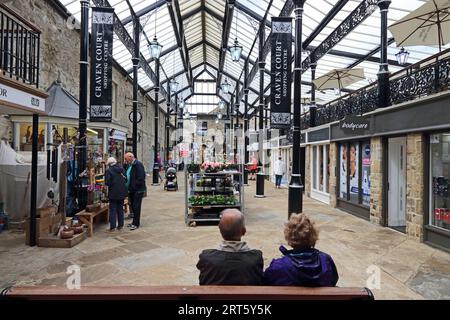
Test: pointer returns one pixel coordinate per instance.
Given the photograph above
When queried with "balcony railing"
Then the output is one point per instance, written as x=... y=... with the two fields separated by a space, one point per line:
x=427 y=77
x=19 y=47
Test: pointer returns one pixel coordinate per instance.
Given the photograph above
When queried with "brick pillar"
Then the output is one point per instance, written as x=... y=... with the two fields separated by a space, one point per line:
x=334 y=154
x=308 y=171
x=376 y=180
x=415 y=191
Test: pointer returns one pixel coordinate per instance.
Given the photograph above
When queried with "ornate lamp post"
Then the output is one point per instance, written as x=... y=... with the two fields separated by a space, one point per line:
x=295 y=203
x=155 y=52
x=383 y=73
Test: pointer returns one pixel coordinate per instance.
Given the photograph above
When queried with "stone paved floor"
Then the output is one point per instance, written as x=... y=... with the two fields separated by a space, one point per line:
x=164 y=251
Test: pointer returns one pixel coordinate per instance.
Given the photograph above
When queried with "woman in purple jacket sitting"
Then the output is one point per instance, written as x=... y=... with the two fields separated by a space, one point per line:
x=304 y=265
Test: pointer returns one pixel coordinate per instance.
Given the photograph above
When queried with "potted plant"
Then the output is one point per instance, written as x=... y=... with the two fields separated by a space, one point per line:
x=193 y=167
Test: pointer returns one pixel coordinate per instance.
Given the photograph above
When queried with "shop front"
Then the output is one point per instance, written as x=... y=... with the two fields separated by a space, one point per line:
x=354 y=163
x=437 y=223
x=281 y=147
x=319 y=173
x=21 y=191
x=352 y=138
x=396 y=171
x=103 y=139
x=116 y=144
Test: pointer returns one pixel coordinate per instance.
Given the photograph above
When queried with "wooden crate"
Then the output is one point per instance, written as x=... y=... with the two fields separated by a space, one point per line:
x=52 y=241
x=47 y=211
x=44 y=226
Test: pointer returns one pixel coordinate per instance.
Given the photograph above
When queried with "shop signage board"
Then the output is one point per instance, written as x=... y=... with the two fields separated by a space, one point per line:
x=319 y=135
x=281 y=75
x=118 y=135
x=354 y=125
x=101 y=64
x=23 y=99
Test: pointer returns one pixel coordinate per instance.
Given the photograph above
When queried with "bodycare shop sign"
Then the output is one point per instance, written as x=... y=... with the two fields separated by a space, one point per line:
x=354 y=125
x=101 y=64
x=281 y=75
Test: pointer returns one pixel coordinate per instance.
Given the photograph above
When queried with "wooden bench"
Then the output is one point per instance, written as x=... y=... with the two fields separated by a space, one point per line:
x=189 y=293
x=88 y=217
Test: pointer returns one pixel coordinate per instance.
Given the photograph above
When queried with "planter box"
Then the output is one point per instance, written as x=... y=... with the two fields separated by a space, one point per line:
x=51 y=241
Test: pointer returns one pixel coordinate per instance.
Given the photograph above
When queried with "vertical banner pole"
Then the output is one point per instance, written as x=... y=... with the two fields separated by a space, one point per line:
x=82 y=126
x=295 y=194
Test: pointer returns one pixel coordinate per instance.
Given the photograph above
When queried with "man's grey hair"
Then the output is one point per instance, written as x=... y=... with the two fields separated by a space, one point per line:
x=232 y=229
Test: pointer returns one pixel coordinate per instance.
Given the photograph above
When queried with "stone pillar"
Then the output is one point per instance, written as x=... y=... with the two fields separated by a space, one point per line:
x=376 y=181
x=6 y=125
x=334 y=155
x=415 y=189
x=308 y=173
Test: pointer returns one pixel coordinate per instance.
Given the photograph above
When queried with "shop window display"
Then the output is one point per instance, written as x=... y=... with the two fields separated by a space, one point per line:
x=57 y=131
x=327 y=186
x=116 y=149
x=354 y=172
x=343 y=171
x=314 y=162
x=95 y=143
x=366 y=162
x=321 y=182
x=320 y=174
x=440 y=180
x=26 y=137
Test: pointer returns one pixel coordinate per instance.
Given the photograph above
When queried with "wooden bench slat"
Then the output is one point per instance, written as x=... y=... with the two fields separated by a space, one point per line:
x=195 y=292
x=88 y=217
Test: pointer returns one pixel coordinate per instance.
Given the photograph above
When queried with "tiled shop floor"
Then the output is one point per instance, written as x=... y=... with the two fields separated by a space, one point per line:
x=164 y=251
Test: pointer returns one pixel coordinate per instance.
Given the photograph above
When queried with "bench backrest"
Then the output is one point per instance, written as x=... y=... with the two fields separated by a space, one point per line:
x=190 y=293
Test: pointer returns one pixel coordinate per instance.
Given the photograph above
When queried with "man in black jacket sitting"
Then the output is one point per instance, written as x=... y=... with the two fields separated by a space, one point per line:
x=233 y=263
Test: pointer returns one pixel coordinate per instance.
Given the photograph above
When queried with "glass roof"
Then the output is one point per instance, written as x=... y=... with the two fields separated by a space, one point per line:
x=202 y=23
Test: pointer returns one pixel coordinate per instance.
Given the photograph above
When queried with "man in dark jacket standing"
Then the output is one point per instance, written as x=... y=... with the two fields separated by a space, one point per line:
x=233 y=263
x=136 y=187
x=117 y=192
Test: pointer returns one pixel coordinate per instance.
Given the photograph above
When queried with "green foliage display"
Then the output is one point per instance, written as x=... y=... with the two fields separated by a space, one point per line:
x=193 y=167
x=205 y=200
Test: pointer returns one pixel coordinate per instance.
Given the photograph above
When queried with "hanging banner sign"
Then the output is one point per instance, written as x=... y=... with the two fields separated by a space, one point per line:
x=101 y=64
x=281 y=75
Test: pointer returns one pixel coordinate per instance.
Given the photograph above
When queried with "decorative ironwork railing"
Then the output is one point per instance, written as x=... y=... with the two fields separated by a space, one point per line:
x=424 y=78
x=421 y=79
x=19 y=47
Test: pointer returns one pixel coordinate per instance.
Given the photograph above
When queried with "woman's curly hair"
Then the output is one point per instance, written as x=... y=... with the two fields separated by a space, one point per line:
x=300 y=232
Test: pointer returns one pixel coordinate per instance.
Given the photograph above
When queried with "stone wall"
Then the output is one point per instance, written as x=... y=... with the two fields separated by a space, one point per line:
x=334 y=154
x=376 y=180
x=415 y=191
x=60 y=43
x=124 y=96
x=308 y=177
x=59 y=57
